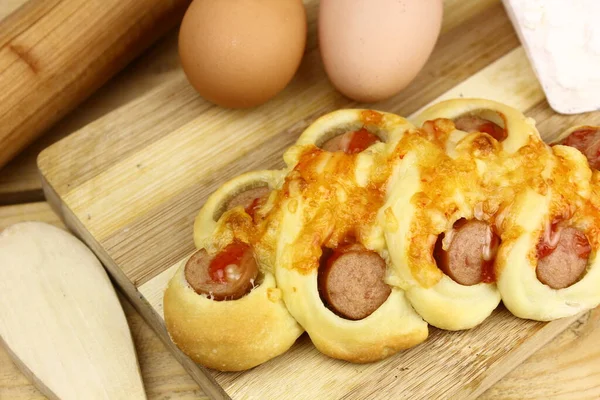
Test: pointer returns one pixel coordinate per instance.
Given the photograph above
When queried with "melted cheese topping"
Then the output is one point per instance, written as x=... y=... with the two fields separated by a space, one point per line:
x=339 y=194
x=465 y=176
x=478 y=181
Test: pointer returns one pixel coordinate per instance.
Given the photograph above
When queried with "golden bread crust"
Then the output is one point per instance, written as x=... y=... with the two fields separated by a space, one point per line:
x=394 y=198
x=231 y=335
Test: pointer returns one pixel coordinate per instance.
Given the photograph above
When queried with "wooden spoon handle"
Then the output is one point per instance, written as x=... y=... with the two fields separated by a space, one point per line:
x=55 y=53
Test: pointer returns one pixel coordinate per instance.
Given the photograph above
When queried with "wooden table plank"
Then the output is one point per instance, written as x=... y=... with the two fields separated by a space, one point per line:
x=569 y=367
x=8 y=6
x=19 y=180
x=164 y=377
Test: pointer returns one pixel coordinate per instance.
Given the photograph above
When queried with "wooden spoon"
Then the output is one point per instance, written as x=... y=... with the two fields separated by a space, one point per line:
x=60 y=318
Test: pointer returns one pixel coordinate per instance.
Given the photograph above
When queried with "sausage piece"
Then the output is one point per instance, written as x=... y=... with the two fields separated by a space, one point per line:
x=562 y=257
x=249 y=199
x=587 y=141
x=351 y=281
x=231 y=274
x=469 y=259
x=470 y=123
x=351 y=142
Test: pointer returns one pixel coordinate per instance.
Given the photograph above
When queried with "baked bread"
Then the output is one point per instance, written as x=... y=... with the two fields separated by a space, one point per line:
x=229 y=335
x=331 y=257
x=444 y=200
x=223 y=307
x=378 y=226
x=549 y=264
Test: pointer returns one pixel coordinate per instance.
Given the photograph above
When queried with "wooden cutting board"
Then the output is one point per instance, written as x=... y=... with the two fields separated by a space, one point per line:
x=131 y=183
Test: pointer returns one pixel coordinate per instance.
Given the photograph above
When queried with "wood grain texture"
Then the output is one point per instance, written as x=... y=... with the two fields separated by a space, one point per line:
x=572 y=359
x=9 y=6
x=164 y=378
x=567 y=368
x=60 y=317
x=134 y=205
x=19 y=181
x=55 y=53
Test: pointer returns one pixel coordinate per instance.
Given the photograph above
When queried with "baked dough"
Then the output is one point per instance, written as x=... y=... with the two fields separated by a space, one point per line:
x=573 y=191
x=207 y=219
x=421 y=205
x=519 y=128
x=342 y=182
x=392 y=327
x=231 y=335
x=394 y=198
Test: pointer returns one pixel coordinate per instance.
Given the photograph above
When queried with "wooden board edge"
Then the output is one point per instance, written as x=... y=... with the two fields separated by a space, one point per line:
x=474 y=389
x=201 y=375
x=518 y=355
x=45 y=390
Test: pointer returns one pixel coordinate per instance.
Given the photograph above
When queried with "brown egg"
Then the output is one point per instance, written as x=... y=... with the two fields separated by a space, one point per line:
x=241 y=53
x=372 y=49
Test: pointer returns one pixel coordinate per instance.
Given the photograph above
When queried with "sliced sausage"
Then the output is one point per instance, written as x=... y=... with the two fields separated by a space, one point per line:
x=587 y=141
x=351 y=142
x=336 y=143
x=249 y=199
x=351 y=281
x=562 y=257
x=471 y=252
x=231 y=274
x=471 y=123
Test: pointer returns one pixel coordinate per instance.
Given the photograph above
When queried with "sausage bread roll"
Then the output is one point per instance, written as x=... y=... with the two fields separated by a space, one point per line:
x=250 y=191
x=455 y=177
x=377 y=227
x=506 y=125
x=440 y=240
x=351 y=131
x=223 y=307
x=549 y=264
x=332 y=261
x=586 y=139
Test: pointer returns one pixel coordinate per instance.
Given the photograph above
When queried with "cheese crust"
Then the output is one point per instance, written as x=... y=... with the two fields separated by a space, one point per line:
x=395 y=198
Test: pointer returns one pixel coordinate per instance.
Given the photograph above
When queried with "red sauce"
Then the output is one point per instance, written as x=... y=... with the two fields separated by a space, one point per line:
x=493 y=130
x=582 y=246
x=232 y=254
x=488 y=273
x=255 y=205
x=360 y=141
x=544 y=249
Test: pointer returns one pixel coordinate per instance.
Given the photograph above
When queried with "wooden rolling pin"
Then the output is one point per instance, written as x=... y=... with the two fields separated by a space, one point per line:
x=55 y=53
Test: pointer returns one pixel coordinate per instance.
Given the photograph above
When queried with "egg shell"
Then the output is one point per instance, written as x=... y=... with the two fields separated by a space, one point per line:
x=241 y=53
x=372 y=49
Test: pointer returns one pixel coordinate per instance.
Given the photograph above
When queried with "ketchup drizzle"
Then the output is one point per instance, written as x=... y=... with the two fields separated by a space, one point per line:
x=493 y=130
x=360 y=140
x=254 y=206
x=544 y=249
x=231 y=254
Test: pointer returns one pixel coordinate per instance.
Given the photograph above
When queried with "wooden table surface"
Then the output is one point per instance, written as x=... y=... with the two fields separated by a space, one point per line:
x=567 y=368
